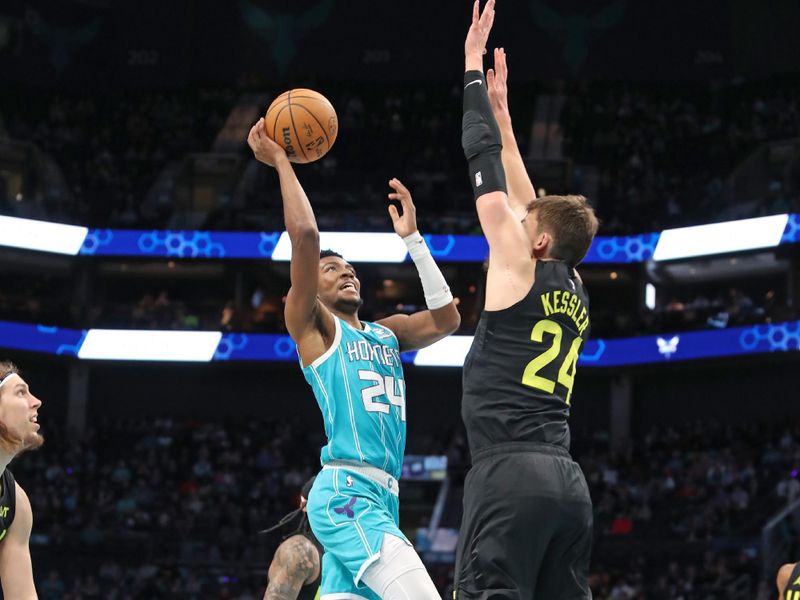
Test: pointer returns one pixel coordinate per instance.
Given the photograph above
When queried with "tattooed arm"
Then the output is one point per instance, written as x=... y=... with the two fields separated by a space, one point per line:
x=295 y=564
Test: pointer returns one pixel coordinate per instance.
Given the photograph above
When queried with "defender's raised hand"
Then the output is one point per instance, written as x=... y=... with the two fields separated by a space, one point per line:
x=497 y=85
x=478 y=34
x=406 y=224
x=266 y=150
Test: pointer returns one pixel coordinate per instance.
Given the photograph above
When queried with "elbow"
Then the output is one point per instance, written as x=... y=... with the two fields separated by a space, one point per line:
x=453 y=320
x=304 y=235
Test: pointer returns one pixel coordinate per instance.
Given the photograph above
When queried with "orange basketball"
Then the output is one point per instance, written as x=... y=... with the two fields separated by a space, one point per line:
x=304 y=123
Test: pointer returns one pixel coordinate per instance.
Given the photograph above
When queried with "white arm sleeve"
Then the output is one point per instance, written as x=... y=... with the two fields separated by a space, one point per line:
x=437 y=292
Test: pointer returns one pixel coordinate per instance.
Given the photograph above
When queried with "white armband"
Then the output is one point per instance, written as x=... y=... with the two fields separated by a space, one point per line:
x=437 y=292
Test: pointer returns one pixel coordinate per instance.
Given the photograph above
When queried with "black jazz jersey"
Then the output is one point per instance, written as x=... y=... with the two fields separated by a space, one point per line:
x=8 y=503
x=793 y=585
x=519 y=372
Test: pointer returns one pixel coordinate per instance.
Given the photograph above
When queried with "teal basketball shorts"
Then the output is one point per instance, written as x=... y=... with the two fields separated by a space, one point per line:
x=350 y=508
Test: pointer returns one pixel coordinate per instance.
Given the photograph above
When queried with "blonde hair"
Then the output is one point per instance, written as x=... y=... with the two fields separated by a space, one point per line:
x=572 y=223
x=8 y=441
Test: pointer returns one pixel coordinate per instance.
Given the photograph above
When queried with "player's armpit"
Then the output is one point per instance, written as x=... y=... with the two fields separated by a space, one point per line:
x=16 y=571
x=313 y=332
x=503 y=230
x=295 y=564
x=423 y=328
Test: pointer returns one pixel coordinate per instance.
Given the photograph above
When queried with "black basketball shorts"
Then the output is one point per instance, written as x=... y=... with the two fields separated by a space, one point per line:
x=526 y=533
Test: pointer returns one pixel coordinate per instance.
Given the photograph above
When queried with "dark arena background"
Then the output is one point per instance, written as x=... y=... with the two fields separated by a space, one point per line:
x=130 y=201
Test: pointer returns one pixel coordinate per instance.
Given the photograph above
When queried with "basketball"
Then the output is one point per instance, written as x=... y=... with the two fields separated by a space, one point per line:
x=303 y=122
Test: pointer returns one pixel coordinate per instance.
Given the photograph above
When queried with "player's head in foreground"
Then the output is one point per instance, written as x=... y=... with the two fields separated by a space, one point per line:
x=19 y=427
x=560 y=227
x=339 y=288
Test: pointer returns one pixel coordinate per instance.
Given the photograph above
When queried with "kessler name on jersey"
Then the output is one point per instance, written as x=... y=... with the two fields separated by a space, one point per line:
x=564 y=302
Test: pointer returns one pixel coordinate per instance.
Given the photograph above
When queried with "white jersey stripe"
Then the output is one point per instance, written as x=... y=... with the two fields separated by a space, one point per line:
x=350 y=404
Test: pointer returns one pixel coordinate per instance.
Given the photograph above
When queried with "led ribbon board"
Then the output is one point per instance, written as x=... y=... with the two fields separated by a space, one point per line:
x=685 y=242
x=104 y=344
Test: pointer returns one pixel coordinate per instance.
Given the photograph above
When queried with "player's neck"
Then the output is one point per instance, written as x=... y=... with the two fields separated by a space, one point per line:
x=4 y=460
x=350 y=319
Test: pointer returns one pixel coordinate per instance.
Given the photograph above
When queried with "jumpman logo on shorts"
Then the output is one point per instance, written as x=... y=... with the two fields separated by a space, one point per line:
x=347 y=509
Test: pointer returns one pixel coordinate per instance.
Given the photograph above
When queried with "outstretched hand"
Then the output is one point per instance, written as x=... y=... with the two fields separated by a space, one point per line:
x=405 y=224
x=497 y=84
x=266 y=150
x=478 y=34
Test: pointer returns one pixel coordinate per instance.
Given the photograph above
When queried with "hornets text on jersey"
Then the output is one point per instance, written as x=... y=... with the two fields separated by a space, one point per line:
x=360 y=390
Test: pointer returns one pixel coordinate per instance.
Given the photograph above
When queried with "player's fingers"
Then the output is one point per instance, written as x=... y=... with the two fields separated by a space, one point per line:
x=393 y=213
x=398 y=185
x=490 y=80
x=475 y=11
x=255 y=132
x=405 y=195
x=487 y=18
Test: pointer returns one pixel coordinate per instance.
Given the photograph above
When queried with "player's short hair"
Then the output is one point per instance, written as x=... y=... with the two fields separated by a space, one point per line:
x=8 y=441
x=327 y=253
x=572 y=223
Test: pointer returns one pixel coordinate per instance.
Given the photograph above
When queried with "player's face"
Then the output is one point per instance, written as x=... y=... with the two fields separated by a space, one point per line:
x=19 y=413
x=339 y=288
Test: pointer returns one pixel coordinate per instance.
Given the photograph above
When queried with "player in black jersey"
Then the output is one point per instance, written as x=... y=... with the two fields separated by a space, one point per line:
x=788 y=582
x=19 y=431
x=296 y=568
x=527 y=526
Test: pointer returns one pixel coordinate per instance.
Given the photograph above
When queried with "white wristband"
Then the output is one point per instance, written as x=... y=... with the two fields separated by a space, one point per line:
x=437 y=292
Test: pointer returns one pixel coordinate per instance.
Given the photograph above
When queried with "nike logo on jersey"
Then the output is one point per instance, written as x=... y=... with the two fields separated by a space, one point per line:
x=478 y=81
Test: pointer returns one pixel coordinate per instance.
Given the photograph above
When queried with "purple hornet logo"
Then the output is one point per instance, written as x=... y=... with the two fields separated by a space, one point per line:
x=347 y=509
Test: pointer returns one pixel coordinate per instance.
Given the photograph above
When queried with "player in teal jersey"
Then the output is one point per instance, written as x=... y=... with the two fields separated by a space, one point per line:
x=355 y=371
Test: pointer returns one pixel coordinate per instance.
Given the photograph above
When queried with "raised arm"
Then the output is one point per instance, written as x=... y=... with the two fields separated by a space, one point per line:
x=442 y=317
x=520 y=187
x=510 y=272
x=16 y=571
x=305 y=316
x=296 y=563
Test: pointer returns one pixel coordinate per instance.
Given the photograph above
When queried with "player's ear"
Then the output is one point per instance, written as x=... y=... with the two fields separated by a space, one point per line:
x=542 y=241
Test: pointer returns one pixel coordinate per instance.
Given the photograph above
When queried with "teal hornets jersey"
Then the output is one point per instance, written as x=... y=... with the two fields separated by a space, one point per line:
x=361 y=392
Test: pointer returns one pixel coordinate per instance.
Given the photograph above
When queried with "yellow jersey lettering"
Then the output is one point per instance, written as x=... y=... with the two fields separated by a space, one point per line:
x=582 y=322
x=569 y=304
x=548 y=308
x=573 y=306
x=564 y=301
